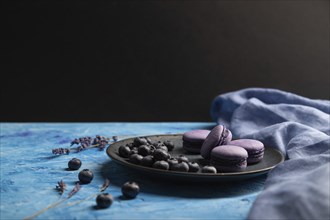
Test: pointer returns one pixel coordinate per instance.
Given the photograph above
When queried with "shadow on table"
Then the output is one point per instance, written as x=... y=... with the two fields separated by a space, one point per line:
x=118 y=175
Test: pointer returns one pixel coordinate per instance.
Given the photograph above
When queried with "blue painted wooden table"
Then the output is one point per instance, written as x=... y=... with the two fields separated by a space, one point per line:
x=29 y=174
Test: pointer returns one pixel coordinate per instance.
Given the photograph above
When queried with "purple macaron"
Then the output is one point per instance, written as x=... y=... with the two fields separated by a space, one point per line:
x=254 y=148
x=193 y=140
x=229 y=158
x=219 y=135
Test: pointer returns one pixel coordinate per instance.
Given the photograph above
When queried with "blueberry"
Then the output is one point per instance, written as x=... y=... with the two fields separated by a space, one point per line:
x=169 y=145
x=209 y=169
x=138 y=141
x=152 y=149
x=181 y=167
x=149 y=141
x=135 y=158
x=130 y=190
x=161 y=155
x=134 y=150
x=157 y=143
x=171 y=161
x=85 y=176
x=147 y=161
x=104 y=200
x=161 y=164
x=74 y=164
x=193 y=167
x=182 y=158
x=144 y=150
x=130 y=145
x=161 y=146
x=115 y=138
x=124 y=151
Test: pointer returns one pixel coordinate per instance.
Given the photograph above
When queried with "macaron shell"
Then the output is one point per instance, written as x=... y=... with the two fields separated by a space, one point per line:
x=229 y=152
x=193 y=140
x=229 y=158
x=211 y=141
x=198 y=136
x=254 y=148
x=219 y=135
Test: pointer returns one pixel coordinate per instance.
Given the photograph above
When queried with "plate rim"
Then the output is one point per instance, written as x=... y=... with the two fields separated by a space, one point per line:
x=112 y=154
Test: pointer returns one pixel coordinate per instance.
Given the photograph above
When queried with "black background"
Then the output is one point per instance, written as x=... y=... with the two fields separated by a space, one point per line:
x=155 y=60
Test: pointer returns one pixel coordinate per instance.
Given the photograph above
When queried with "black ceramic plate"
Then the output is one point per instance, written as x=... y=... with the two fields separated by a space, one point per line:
x=271 y=158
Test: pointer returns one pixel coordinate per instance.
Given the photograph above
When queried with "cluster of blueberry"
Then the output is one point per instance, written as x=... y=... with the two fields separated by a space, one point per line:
x=104 y=200
x=143 y=151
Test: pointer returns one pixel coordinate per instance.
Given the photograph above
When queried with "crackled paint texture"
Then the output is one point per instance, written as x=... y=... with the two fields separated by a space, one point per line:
x=29 y=174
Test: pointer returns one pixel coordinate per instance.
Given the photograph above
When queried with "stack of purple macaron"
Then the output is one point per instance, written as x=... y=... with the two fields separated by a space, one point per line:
x=225 y=154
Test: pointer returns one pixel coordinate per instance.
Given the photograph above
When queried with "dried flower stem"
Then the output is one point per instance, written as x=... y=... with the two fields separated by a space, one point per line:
x=81 y=201
x=74 y=191
x=61 y=186
x=105 y=185
x=45 y=209
x=86 y=143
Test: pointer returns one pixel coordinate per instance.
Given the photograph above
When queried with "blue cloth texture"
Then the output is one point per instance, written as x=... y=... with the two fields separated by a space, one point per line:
x=298 y=188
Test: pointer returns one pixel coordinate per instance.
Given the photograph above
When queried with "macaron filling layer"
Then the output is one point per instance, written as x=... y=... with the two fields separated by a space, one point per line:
x=255 y=157
x=225 y=166
x=192 y=147
x=256 y=153
x=226 y=162
x=254 y=148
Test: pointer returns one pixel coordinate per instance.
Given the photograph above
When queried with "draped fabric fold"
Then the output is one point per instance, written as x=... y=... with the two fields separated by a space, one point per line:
x=299 y=127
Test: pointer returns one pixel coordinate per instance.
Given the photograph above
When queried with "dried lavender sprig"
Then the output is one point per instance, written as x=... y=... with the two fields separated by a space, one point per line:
x=59 y=151
x=85 y=143
x=74 y=191
x=61 y=187
x=45 y=209
x=103 y=144
x=101 y=141
x=75 y=141
x=105 y=185
x=97 y=139
x=85 y=147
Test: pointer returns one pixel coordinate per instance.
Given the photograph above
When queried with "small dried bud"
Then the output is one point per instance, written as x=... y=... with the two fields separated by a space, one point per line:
x=59 y=151
x=61 y=186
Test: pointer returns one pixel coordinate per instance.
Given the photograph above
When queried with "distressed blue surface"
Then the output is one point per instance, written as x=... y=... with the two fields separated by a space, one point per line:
x=29 y=174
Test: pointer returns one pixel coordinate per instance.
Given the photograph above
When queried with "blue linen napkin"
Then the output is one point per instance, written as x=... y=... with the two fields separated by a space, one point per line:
x=299 y=127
